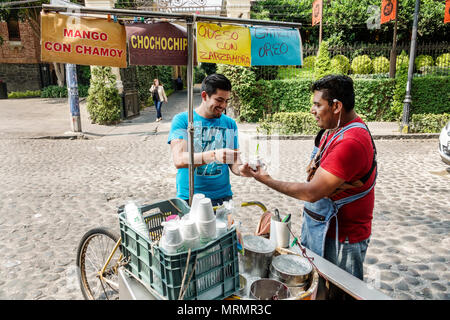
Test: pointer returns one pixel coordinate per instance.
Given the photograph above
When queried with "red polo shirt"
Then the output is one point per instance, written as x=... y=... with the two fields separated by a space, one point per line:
x=350 y=158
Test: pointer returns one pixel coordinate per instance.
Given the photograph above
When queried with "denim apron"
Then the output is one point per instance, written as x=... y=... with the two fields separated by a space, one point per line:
x=317 y=215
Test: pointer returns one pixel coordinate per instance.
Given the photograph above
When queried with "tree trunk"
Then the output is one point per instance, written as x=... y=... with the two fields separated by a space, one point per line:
x=60 y=73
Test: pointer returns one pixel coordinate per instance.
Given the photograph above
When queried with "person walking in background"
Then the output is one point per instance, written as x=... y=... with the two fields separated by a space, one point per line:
x=159 y=96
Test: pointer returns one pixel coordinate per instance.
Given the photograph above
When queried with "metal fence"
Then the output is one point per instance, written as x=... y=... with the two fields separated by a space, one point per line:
x=366 y=61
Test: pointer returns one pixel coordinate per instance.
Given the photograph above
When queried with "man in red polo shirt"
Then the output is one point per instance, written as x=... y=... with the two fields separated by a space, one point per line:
x=343 y=169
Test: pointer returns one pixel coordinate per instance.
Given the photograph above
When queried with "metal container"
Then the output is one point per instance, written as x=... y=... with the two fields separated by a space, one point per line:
x=242 y=285
x=292 y=270
x=269 y=289
x=258 y=252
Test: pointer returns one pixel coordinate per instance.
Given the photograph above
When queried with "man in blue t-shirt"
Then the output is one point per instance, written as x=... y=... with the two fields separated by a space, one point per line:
x=215 y=144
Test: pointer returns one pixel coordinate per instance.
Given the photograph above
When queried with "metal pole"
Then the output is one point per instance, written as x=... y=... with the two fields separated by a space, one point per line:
x=72 y=88
x=72 y=82
x=167 y=15
x=190 y=88
x=407 y=101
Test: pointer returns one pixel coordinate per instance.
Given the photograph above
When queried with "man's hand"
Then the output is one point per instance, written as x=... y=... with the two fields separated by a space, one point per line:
x=259 y=174
x=228 y=156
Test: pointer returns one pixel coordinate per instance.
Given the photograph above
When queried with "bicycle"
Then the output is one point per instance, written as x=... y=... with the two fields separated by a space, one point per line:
x=98 y=262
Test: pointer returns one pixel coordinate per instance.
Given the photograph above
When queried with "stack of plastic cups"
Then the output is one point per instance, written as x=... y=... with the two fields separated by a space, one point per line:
x=206 y=221
x=190 y=234
x=195 y=204
x=173 y=241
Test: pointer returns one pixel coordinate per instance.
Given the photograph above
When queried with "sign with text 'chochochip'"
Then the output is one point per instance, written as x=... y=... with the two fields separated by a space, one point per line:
x=81 y=40
x=160 y=43
x=225 y=44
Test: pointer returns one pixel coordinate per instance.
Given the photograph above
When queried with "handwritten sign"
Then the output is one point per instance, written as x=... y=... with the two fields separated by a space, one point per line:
x=275 y=47
x=80 y=40
x=160 y=43
x=225 y=44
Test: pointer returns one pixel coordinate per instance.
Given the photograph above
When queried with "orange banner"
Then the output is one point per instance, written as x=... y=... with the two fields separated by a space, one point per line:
x=316 y=12
x=388 y=10
x=447 y=12
x=80 y=40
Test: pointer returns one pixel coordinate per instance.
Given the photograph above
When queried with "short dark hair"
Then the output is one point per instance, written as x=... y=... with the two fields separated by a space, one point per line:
x=338 y=87
x=215 y=81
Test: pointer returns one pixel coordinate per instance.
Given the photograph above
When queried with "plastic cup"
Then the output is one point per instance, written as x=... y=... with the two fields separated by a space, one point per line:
x=172 y=235
x=205 y=210
x=195 y=202
x=255 y=161
x=207 y=229
x=221 y=228
x=279 y=232
x=189 y=229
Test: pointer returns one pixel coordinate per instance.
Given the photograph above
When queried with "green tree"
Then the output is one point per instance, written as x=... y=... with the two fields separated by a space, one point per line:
x=322 y=66
x=103 y=102
x=349 y=18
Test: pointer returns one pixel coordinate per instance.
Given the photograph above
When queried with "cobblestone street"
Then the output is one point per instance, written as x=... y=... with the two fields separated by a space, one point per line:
x=54 y=190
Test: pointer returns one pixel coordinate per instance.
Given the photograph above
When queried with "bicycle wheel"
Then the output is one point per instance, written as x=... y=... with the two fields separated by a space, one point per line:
x=93 y=251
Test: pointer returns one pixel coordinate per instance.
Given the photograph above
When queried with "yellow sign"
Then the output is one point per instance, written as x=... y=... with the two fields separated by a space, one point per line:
x=225 y=44
x=79 y=40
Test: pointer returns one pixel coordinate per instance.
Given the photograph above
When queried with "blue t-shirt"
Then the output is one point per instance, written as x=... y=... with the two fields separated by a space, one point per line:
x=213 y=179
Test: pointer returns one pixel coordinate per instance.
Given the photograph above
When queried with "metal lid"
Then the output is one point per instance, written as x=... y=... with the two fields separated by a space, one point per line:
x=258 y=244
x=291 y=264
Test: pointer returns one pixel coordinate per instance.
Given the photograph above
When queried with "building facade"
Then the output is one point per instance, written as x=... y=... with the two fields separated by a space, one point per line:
x=20 y=64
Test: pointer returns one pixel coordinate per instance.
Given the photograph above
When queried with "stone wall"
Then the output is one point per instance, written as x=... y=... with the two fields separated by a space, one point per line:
x=20 y=77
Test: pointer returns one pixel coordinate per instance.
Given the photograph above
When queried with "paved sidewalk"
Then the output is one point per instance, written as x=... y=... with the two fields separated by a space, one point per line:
x=50 y=118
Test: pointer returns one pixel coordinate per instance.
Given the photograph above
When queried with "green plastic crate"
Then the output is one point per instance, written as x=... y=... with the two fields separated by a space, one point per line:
x=216 y=274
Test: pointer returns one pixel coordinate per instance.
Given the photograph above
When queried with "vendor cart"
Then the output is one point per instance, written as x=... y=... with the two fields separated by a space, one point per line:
x=346 y=284
x=327 y=281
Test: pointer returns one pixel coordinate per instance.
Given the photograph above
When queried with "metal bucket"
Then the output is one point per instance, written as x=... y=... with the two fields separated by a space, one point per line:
x=258 y=252
x=269 y=289
x=292 y=270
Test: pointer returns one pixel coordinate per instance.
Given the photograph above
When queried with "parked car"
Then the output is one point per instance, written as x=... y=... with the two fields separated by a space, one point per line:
x=444 y=144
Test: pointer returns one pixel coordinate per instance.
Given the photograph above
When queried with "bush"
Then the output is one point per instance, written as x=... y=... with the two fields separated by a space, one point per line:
x=373 y=98
x=61 y=92
x=362 y=65
x=265 y=72
x=428 y=123
x=380 y=65
x=430 y=94
x=340 y=64
x=103 y=102
x=322 y=66
x=423 y=61
x=402 y=58
x=54 y=92
x=24 y=94
x=309 y=62
x=289 y=123
x=434 y=71
x=199 y=74
x=443 y=60
x=244 y=93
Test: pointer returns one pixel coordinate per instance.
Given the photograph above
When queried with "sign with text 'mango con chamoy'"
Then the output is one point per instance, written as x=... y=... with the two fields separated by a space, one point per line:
x=276 y=47
x=160 y=43
x=84 y=41
x=225 y=44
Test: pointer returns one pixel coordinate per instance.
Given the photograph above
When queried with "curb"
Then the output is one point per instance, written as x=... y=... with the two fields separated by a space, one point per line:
x=412 y=136
x=67 y=137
